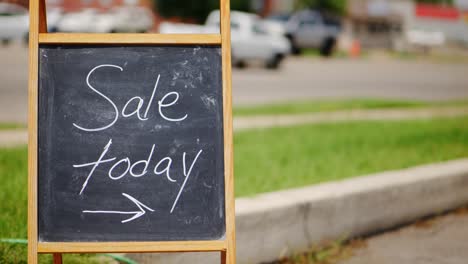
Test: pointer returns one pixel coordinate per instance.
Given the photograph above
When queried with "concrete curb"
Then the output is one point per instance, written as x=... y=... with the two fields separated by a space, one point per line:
x=268 y=121
x=281 y=223
x=13 y=138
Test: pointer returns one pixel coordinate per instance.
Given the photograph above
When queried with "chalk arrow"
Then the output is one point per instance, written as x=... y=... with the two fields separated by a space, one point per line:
x=136 y=214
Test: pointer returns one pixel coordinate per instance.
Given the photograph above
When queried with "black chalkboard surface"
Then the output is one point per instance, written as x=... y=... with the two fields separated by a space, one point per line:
x=130 y=143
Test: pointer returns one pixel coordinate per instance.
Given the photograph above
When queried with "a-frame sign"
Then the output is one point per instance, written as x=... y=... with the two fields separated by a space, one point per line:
x=130 y=142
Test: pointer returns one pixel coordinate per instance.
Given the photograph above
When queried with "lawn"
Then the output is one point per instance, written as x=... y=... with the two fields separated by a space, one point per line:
x=13 y=197
x=279 y=158
x=303 y=107
x=10 y=126
x=274 y=159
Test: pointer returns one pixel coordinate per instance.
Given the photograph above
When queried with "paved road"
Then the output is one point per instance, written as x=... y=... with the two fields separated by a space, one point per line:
x=440 y=241
x=307 y=78
x=300 y=78
x=13 y=84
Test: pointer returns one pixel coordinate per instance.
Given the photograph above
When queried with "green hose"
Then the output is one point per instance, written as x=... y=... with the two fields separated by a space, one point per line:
x=14 y=241
x=120 y=258
x=25 y=242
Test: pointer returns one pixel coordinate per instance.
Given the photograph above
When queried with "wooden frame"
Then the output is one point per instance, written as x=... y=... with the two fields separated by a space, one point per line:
x=38 y=35
x=66 y=38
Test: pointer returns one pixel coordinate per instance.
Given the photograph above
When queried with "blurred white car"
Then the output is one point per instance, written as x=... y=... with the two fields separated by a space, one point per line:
x=14 y=22
x=251 y=39
x=54 y=15
x=131 y=19
x=275 y=27
x=82 y=21
x=121 y=19
x=182 y=28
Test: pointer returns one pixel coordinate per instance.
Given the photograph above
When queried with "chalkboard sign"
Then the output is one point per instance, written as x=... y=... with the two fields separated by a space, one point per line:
x=130 y=143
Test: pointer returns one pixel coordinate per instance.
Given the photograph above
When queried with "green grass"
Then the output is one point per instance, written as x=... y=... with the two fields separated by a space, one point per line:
x=13 y=194
x=315 y=53
x=274 y=159
x=13 y=207
x=279 y=158
x=10 y=126
x=302 y=107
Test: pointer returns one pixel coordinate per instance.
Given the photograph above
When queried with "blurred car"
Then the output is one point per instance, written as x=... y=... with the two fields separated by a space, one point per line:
x=182 y=28
x=120 y=19
x=82 y=21
x=276 y=24
x=128 y=19
x=251 y=40
x=54 y=15
x=312 y=29
x=14 y=22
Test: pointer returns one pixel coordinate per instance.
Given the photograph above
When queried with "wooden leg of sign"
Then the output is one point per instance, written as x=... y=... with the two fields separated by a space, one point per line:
x=42 y=17
x=227 y=257
x=57 y=258
x=223 y=257
x=32 y=125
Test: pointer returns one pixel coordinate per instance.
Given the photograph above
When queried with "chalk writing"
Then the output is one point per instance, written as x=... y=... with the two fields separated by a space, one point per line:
x=125 y=165
x=136 y=214
x=136 y=100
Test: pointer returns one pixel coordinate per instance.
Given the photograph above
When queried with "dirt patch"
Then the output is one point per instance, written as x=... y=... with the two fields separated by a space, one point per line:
x=328 y=252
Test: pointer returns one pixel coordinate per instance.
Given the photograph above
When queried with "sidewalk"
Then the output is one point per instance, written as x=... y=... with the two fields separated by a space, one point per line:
x=441 y=240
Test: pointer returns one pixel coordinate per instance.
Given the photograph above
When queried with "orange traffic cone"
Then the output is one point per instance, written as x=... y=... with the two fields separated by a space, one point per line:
x=355 y=50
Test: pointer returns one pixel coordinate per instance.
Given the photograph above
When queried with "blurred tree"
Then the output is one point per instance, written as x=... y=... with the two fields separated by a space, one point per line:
x=332 y=6
x=241 y=5
x=188 y=9
x=196 y=10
